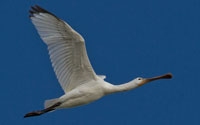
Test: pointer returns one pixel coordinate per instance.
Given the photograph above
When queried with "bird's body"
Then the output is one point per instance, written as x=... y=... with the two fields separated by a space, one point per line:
x=71 y=64
x=91 y=91
x=84 y=94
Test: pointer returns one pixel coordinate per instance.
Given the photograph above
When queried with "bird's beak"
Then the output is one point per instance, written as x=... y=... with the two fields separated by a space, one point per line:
x=166 y=76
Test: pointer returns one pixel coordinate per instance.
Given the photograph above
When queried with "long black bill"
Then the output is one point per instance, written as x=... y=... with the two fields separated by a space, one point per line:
x=166 y=76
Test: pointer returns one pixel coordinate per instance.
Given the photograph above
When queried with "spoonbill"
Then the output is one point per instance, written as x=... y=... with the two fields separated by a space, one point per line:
x=70 y=62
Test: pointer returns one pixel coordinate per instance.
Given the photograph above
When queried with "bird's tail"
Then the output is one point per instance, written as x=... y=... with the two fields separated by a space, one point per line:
x=50 y=102
x=40 y=112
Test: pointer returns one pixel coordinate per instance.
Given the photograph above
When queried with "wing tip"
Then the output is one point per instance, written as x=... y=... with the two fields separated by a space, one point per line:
x=36 y=10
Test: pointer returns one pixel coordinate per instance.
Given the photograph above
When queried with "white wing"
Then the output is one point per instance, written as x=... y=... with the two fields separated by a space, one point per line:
x=66 y=49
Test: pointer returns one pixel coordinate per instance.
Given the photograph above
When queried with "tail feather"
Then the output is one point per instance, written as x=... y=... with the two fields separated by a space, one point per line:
x=49 y=103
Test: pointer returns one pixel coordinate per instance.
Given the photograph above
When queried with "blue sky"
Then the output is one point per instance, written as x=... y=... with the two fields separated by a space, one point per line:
x=124 y=39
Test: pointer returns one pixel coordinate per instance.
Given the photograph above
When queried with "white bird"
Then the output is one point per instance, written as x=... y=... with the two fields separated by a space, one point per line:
x=72 y=66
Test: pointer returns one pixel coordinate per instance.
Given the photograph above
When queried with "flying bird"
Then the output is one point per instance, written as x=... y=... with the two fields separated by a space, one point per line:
x=72 y=67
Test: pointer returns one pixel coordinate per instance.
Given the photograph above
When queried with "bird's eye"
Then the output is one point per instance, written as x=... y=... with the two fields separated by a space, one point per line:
x=139 y=79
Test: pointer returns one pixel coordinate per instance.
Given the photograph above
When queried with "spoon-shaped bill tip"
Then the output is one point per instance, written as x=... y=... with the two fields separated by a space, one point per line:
x=168 y=76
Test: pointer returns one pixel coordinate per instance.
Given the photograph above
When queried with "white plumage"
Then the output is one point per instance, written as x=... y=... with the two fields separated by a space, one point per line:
x=71 y=64
x=66 y=49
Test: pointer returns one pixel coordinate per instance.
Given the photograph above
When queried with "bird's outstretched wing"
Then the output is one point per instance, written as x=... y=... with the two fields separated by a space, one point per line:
x=66 y=49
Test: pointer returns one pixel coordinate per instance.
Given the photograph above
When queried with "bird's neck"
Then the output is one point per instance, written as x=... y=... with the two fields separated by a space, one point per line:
x=123 y=87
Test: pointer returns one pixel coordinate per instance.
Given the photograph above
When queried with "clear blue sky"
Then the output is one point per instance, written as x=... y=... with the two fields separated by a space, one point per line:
x=125 y=39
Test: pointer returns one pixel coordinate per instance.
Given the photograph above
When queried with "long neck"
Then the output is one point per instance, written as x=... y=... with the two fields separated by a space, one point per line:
x=123 y=87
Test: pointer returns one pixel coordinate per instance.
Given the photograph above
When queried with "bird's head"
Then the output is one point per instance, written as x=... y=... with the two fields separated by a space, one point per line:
x=141 y=81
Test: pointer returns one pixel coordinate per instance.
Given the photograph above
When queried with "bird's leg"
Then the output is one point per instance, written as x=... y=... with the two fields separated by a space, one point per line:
x=37 y=113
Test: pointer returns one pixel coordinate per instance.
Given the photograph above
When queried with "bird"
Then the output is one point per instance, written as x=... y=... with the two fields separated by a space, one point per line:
x=67 y=51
